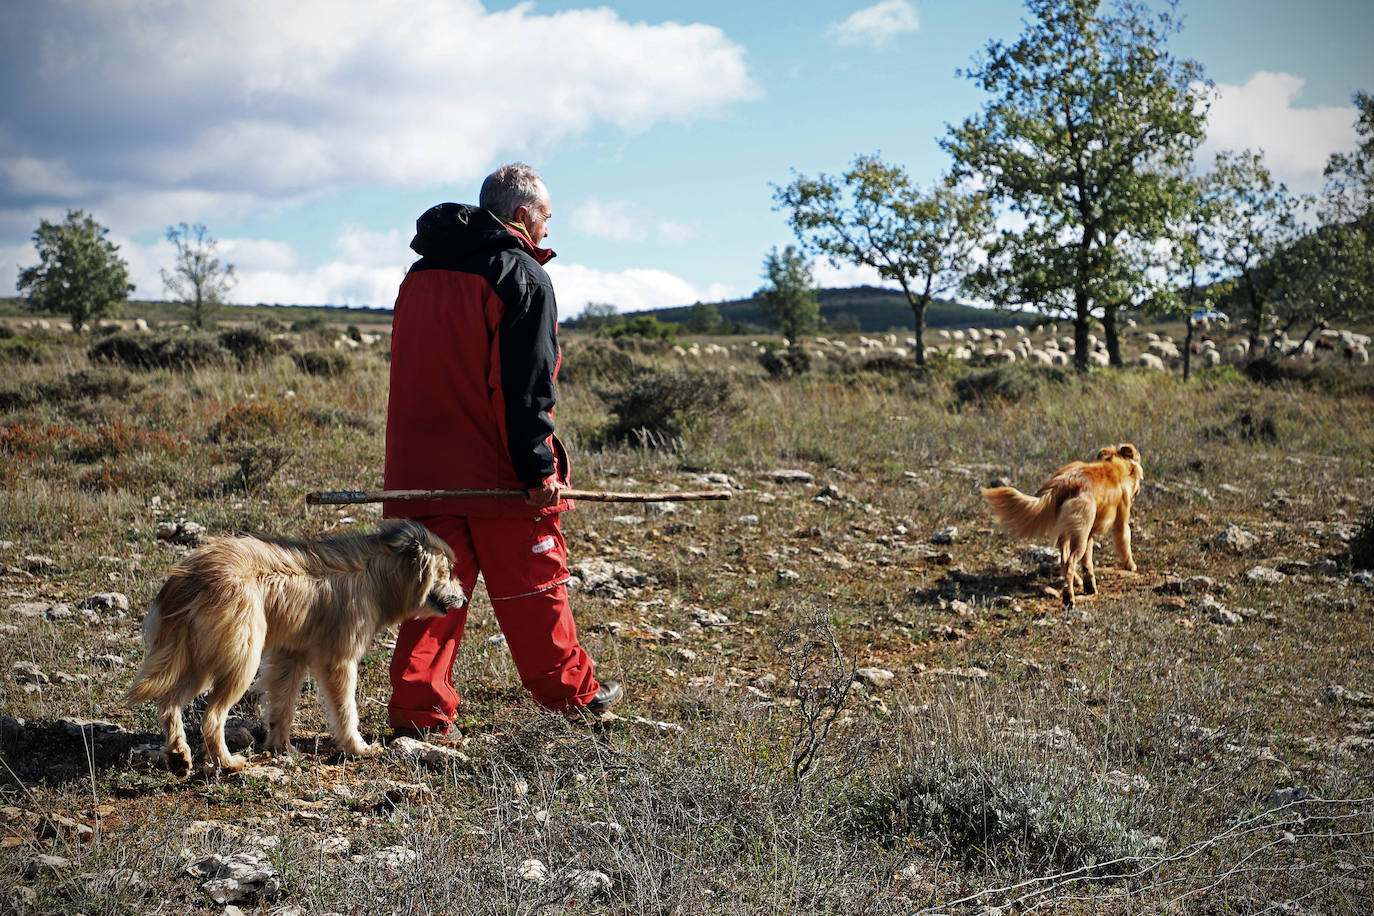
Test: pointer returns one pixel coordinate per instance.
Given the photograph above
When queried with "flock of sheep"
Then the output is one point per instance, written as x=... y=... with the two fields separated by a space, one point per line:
x=1045 y=346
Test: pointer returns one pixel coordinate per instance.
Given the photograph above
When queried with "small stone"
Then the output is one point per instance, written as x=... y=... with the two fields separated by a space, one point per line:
x=532 y=870
x=109 y=660
x=707 y=618
x=683 y=654
x=107 y=601
x=1264 y=575
x=1235 y=538
x=589 y=881
x=874 y=677
x=946 y=535
x=27 y=673
x=749 y=520
x=785 y=475
x=788 y=575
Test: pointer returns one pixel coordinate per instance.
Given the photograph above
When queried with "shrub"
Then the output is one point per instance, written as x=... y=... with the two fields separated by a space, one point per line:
x=656 y=406
x=595 y=359
x=1362 y=545
x=251 y=345
x=311 y=325
x=1007 y=384
x=643 y=326
x=785 y=362
x=326 y=363
x=23 y=350
x=79 y=387
x=178 y=350
x=999 y=812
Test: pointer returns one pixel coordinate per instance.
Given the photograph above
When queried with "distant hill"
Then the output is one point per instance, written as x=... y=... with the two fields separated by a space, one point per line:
x=868 y=309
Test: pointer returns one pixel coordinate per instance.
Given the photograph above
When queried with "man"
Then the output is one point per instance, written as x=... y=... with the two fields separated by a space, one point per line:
x=474 y=356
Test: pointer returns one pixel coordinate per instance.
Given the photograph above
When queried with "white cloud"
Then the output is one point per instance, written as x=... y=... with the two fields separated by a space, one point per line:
x=876 y=25
x=629 y=291
x=614 y=221
x=1263 y=115
x=830 y=276
x=627 y=222
x=672 y=232
x=237 y=98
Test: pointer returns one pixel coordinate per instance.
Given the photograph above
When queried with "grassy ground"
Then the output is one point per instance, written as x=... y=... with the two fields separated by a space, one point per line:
x=1143 y=753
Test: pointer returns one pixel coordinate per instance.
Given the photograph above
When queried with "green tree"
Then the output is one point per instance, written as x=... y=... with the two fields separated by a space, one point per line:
x=79 y=272
x=789 y=300
x=705 y=318
x=1256 y=220
x=873 y=215
x=198 y=279
x=1087 y=140
x=596 y=315
x=1328 y=274
x=1192 y=235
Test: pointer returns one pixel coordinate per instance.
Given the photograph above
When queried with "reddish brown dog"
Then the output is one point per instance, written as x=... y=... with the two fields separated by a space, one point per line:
x=1082 y=499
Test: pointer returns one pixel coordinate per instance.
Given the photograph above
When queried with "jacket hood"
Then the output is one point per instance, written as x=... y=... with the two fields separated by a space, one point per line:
x=450 y=229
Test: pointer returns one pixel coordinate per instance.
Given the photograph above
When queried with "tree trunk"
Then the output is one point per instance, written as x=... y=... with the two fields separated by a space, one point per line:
x=1109 y=332
x=1081 y=320
x=1187 y=346
x=919 y=311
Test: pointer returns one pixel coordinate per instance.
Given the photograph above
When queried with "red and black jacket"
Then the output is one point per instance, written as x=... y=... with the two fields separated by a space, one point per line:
x=474 y=360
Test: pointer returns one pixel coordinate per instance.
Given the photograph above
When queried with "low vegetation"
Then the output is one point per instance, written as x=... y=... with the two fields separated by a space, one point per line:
x=848 y=691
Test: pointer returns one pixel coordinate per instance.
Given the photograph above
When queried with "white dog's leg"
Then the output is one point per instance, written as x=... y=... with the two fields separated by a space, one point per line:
x=282 y=678
x=338 y=691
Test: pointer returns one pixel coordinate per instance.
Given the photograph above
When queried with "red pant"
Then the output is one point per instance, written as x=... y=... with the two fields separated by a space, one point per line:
x=524 y=563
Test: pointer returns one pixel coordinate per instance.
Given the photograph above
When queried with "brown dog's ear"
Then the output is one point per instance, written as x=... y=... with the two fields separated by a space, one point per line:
x=1128 y=451
x=1105 y=453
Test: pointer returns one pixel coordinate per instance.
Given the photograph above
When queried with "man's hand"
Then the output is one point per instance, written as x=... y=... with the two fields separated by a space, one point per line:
x=544 y=495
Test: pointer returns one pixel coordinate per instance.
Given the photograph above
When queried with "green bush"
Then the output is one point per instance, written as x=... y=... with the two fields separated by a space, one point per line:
x=643 y=326
x=18 y=350
x=177 y=350
x=326 y=363
x=1008 y=384
x=999 y=812
x=595 y=359
x=251 y=345
x=785 y=362
x=656 y=406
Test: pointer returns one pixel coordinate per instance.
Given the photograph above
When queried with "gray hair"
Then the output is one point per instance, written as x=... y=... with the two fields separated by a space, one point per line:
x=509 y=188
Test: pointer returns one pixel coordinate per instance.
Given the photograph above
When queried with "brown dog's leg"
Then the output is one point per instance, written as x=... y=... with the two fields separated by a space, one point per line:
x=1123 y=541
x=1068 y=560
x=1089 y=574
x=338 y=690
x=282 y=679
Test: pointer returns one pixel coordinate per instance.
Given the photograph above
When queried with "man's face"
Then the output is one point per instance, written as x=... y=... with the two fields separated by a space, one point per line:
x=536 y=218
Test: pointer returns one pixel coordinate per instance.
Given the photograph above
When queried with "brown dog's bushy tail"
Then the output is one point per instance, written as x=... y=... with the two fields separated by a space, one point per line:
x=1026 y=516
x=165 y=660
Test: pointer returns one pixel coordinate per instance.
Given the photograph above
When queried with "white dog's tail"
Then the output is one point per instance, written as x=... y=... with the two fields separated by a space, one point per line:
x=1026 y=516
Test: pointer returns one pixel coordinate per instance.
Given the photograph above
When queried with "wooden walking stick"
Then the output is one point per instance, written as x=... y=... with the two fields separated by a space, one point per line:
x=350 y=497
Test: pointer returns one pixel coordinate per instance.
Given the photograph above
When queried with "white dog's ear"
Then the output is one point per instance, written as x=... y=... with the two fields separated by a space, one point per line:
x=405 y=538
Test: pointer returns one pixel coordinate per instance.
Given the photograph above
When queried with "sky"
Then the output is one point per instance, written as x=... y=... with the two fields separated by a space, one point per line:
x=308 y=136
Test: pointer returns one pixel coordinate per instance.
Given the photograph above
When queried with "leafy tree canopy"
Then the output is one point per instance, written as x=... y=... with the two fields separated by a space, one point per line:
x=924 y=240
x=80 y=273
x=789 y=299
x=1086 y=140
